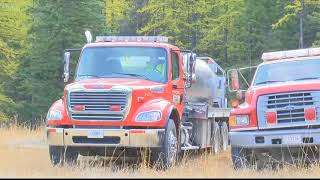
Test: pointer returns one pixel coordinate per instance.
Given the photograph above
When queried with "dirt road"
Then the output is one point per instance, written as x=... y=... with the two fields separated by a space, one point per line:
x=23 y=153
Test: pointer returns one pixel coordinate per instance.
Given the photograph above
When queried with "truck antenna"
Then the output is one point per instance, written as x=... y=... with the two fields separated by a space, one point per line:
x=88 y=36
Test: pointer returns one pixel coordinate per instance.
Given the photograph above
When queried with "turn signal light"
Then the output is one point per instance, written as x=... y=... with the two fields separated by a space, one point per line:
x=50 y=130
x=235 y=103
x=310 y=114
x=272 y=118
x=232 y=120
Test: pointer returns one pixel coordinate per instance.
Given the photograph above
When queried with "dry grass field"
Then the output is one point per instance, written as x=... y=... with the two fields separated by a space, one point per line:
x=24 y=153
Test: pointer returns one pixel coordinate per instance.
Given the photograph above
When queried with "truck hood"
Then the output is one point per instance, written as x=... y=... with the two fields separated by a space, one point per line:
x=144 y=94
x=108 y=83
x=253 y=93
x=285 y=87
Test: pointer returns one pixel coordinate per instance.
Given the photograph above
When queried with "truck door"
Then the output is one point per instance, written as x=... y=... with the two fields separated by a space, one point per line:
x=177 y=80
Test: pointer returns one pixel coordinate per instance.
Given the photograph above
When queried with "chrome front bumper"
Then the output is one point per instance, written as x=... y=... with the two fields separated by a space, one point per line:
x=111 y=137
x=274 y=138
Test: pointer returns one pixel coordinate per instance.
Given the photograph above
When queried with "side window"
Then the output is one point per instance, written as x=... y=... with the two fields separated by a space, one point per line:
x=175 y=66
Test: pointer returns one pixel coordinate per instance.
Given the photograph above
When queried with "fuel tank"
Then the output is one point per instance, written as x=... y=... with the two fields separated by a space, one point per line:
x=203 y=83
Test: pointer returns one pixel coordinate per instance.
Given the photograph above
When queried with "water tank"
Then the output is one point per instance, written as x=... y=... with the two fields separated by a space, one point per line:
x=203 y=83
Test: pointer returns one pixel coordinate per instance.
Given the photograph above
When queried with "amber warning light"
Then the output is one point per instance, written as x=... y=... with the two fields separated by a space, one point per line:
x=270 y=56
x=160 y=39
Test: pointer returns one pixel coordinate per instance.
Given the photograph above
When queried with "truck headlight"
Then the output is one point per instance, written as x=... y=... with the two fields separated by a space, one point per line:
x=149 y=116
x=54 y=115
x=242 y=120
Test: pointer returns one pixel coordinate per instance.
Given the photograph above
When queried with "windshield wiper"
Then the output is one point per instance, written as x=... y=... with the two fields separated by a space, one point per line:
x=306 y=78
x=132 y=74
x=81 y=75
x=265 y=82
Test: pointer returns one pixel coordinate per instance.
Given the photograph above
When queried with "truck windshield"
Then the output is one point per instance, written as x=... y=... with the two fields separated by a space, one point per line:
x=288 y=71
x=148 y=63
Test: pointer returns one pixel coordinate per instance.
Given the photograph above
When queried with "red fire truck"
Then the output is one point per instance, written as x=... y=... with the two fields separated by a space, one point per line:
x=133 y=92
x=279 y=119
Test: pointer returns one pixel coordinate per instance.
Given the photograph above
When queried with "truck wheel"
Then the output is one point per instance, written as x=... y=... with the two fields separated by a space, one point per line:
x=216 y=138
x=71 y=156
x=60 y=155
x=224 y=136
x=56 y=155
x=167 y=155
x=240 y=157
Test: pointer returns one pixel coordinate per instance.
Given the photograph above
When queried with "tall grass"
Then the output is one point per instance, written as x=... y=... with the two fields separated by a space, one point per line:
x=33 y=161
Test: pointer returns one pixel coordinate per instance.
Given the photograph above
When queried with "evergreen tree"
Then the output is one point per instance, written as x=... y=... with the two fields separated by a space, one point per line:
x=289 y=23
x=13 y=47
x=116 y=13
x=134 y=19
x=171 y=18
x=56 y=25
x=123 y=16
x=256 y=31
x=234 y=32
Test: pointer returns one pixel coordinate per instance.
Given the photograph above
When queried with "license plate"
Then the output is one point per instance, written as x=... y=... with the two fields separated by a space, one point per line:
x=292 y=139
x=95 y=134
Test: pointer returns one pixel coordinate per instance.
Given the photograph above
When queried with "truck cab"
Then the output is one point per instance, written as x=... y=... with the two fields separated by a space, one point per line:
x=279 y=118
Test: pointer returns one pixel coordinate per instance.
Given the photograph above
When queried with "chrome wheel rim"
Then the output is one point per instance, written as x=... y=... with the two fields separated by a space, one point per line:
x=172 y=147
x=225 y=137
x=216 y=139
x=216 y=144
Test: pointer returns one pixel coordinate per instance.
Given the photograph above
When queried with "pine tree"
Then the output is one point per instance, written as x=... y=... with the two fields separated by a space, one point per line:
x=115 y=13
x=13 y=47
x=289 y=23
x=56 y=25
x=222 y=27
x=176 y=19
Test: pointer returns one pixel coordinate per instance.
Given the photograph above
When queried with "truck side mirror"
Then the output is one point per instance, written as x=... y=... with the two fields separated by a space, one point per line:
x=191 y=66
x=235 y=85
x=66 y=62
x=188 y=59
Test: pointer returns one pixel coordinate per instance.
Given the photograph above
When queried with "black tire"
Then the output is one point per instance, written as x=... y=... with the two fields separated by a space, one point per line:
x=166 y=157
x=224 y=136
x=61 y=156
x=71 y=156
x=240 y=158
x=216 y=137
x=56 y=155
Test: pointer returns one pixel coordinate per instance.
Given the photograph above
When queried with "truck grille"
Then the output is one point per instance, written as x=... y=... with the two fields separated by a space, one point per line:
x=289 y=108
x=286 y=116
x=97 y=105
x=294 y=99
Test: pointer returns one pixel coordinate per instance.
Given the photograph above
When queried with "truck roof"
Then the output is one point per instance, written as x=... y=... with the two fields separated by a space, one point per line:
x=290 y=55
x=290 y=59
x=148 y=44
x=149 y=41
